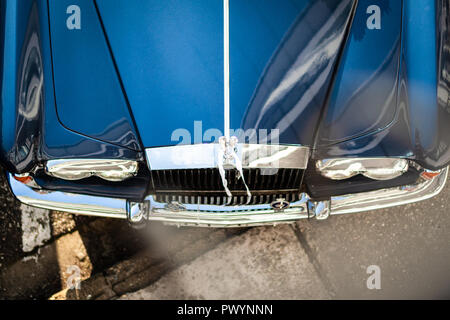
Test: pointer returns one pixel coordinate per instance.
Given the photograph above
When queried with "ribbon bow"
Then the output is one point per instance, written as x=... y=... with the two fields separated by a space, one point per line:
x=227 y=156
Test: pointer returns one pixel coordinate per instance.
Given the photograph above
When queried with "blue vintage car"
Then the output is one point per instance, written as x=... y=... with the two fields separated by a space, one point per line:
x=224 y=112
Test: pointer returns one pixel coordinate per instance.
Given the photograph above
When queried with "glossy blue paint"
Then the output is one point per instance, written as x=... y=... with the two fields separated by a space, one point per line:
x=367 y=81
x=170 y=57
x=31 y=132
x=89 y=97
x=22 y=84
x=8 y=61
x=440 y=153
x=56 y=141
x=256 y=30
x=292 y=90
x=420 y=55
x=285 y=74
x=419 y=130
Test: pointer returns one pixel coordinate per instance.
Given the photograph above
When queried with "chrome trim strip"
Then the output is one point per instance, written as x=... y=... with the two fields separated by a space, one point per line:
x=68 y=202
x=107 y=169
x=198 y=156
x=194 y=156
x=222 y=216
x=385 y=198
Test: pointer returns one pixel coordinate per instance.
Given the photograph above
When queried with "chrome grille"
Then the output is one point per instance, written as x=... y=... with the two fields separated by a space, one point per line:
x=204 y=186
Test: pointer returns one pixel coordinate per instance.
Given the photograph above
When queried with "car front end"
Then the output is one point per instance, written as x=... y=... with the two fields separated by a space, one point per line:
x=225 y=113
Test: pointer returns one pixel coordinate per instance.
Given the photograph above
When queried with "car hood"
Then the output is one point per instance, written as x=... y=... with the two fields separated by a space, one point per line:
x=170 y=57
x=297 y=67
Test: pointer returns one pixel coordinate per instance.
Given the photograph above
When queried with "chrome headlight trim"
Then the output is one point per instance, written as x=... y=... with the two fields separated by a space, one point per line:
x=373 y=168
x=202 y=156
x=76 y=169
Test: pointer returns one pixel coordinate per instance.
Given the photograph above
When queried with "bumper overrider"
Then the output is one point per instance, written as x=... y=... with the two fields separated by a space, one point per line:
x=177 y=208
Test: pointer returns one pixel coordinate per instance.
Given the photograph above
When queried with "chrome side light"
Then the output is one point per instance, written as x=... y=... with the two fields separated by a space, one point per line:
x=107 y=169
x=374 y=168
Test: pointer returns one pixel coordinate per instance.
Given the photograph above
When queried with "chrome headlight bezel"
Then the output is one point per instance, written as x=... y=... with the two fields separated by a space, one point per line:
x=373 y=168
x=107 y=169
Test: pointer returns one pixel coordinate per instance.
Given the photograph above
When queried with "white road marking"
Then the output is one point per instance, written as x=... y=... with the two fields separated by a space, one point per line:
x=35 y=227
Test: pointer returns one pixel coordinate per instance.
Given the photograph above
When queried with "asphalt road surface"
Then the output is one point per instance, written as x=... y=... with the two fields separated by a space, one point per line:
x=401 y=253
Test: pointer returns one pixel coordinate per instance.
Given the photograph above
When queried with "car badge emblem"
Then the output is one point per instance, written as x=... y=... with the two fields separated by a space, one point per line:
x=280 y=204
x=175 y=206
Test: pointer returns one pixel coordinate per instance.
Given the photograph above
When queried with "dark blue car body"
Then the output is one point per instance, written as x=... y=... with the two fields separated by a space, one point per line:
x=314 y=70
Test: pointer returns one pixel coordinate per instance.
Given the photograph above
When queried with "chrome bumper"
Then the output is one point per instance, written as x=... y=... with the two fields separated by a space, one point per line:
x=223 y=216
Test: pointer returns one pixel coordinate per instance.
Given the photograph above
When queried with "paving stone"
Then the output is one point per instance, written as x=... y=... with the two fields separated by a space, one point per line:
x=35 y=227
x=170 y=247
x=263 y=263
x=38 y=275
x=61 y=223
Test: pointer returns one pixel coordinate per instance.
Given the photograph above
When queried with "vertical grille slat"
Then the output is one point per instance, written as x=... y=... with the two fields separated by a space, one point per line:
x=289 y=178
x=282 y=178
x=297 y=179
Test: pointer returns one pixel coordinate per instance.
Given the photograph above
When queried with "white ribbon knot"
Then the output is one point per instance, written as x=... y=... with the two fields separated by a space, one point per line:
x=227 y=156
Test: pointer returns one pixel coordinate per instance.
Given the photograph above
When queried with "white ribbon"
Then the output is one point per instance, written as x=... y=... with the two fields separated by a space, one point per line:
x=227 y=156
